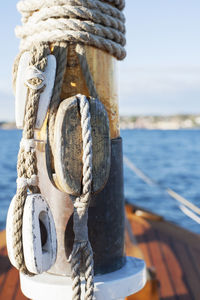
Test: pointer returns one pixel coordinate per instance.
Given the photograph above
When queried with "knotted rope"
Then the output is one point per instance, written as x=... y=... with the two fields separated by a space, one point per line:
x=92 y=22
x=27 y=162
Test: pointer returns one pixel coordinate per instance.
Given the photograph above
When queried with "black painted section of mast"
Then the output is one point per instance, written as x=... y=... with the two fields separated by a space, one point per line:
x=106 y=219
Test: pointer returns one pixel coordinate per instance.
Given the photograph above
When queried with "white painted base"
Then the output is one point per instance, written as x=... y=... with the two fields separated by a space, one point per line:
x=116 y=285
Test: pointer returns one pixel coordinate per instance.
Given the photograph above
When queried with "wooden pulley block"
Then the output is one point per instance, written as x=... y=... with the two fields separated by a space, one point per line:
x=38 y=234
x=68 y=148
x=24 y=74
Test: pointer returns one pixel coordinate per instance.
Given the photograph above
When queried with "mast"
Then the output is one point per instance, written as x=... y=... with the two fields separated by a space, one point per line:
x=108 y=204
x=89 y=71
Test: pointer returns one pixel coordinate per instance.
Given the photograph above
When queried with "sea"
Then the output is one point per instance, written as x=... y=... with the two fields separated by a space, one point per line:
x=171 y=158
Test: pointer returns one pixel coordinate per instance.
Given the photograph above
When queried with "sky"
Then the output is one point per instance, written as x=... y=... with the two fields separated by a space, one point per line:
x=161 y=73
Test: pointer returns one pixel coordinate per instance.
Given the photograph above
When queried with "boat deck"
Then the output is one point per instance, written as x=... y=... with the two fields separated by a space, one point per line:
x=172 y=255
x=171 y=250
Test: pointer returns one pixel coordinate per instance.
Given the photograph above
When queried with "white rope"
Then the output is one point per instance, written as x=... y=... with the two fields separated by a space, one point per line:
x=27 y=7
x=92 y=22
x=24 y=182
x=82 y=250
x=28 y=145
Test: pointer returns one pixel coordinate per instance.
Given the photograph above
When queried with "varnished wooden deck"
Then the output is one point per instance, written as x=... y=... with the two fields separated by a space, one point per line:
x=173 y=252
x=9 y=277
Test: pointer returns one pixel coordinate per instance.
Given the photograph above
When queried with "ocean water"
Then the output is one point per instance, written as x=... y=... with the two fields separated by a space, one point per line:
x=172 y=158
x=8 y=156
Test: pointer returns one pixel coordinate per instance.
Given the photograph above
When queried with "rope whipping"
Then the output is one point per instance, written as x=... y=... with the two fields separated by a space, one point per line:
x=27 y=162
x=59 y=23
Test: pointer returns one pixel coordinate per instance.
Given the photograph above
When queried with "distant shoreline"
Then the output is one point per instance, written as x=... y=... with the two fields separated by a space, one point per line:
x=174 y=122
x=8 y=125
x=161 y=129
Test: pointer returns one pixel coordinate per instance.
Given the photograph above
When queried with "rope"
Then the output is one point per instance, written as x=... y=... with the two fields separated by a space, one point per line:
x=80 y=50
x=27 y=162
x=169 y=191
x=91 y=22
x=189 y=213
x=27 y=6
x=82 y=250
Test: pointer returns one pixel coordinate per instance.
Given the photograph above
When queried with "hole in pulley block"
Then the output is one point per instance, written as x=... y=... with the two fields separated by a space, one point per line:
x=69 y=237
x=43 y=230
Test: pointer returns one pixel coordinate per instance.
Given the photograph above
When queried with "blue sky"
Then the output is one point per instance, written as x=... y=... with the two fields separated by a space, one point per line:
x=161 y=74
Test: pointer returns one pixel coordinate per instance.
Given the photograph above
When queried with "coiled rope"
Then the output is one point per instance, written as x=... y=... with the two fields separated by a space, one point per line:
x=91 y=22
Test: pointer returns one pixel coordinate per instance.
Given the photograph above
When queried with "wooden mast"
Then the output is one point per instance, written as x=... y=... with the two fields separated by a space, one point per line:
x=93 y=174
x=102 y=67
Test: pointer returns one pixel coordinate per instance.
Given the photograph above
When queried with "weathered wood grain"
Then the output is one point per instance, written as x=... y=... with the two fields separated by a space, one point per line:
x=68 y=146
